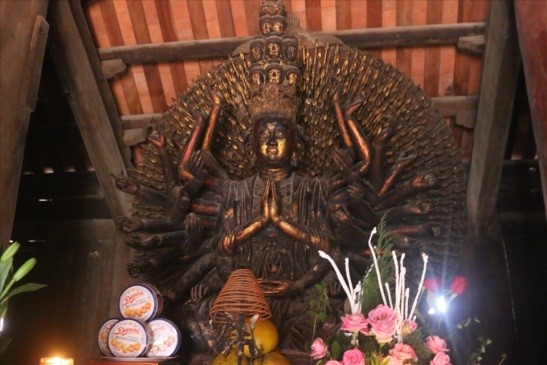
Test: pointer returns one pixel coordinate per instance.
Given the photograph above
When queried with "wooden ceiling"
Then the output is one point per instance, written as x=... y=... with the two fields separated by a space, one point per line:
x=142 y=89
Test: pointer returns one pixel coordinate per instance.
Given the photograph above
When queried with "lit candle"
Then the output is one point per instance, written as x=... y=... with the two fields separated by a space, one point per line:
x=56 y=361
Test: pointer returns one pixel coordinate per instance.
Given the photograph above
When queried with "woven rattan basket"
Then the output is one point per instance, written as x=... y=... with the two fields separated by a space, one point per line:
x=241 y=295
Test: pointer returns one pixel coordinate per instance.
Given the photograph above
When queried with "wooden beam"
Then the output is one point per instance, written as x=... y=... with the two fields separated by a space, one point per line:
x=102 y=82
x=532 y=26
x=113 y=68
x=23 y=37
x=139 y=120
x=77 y=75
x=463 y=108
x=473 y=44
x=369 y=38
x=496 y=99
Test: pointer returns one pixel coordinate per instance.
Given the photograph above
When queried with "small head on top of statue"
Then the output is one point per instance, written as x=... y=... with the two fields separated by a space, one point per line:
x=274 y=79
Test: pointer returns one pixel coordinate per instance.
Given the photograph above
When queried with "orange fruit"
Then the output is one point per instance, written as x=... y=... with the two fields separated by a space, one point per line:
x=266 y=337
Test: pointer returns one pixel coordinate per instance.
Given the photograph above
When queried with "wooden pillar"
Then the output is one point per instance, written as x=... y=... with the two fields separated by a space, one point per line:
x=75 y=68
x=23 y=36
x=532 y=31
x=484 y=256
x=84 y=97
x=496 y=100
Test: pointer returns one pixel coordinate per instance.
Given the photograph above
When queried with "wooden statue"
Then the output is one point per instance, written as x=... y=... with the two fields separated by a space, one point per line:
x=296 y=144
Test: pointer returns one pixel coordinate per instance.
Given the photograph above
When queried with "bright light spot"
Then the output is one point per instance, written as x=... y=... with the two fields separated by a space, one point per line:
x=1 y=323
x=45 y=200
x=431 y=311
x=441 y=304
x=56 y=361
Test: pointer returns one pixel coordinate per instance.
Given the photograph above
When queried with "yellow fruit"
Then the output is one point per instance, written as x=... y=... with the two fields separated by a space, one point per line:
x=272 y=358
x=266 y=337
x=230 y=359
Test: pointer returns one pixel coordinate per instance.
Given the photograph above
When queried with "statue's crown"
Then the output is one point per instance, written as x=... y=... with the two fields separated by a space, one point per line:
x=274 y=74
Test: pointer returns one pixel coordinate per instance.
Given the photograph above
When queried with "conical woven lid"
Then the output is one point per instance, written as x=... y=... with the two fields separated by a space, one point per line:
x=240 y=295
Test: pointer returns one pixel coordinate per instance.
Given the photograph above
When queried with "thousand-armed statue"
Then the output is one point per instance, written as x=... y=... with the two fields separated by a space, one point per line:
x=296 y=144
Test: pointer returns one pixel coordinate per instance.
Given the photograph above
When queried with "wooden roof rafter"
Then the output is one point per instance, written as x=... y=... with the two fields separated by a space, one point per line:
x=369 y=38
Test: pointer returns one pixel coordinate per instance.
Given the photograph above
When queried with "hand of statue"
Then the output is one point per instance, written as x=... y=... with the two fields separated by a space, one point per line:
x=192 y=223
x=157 y=139
x=274 y=288
x=265 y=204
x=216 y=96
x=127 y=184
x=195 y=166
x=349 y=109
x=355 y=191
x=227 y=241
x=274 y=203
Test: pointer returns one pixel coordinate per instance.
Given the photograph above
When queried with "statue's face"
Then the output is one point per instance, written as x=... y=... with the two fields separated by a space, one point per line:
x=278 y=27
x=274 y=75
x=274 y=50
x=274 y=144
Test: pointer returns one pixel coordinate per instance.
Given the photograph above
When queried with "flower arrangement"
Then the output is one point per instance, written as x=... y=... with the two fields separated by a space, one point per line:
x=388 y=332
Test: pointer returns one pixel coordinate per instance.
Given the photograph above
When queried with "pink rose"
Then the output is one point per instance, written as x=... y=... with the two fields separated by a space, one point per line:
x=409 y=326
x=354 y=323
x=383 y=331
x=436 y=344
x=318 y=349
x=458 y=285
x=401 y=353
x=382 y=320
x=441 y=359
x=333 y=362
x=353 y=357
x=432 y=283
x=381 y=313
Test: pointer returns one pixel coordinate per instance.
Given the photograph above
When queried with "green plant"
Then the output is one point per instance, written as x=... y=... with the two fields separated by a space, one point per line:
x=11 y=276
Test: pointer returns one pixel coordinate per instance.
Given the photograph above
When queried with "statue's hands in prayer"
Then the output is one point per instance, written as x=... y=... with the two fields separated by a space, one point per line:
x=265 y=204
x=273 y=203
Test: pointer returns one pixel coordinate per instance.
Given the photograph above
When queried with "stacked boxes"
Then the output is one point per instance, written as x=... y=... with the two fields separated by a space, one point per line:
x=139 y=333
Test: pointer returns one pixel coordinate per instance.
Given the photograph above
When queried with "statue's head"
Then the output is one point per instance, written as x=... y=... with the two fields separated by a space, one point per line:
x=273 y=142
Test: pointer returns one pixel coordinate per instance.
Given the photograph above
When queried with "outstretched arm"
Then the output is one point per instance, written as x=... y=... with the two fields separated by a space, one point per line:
x=350 y=129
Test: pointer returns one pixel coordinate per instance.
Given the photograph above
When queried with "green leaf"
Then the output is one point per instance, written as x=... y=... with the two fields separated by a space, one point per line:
x=10 y=251
x=322 y=316
x=5 y=267
x=28 y=287
x=24 y=269
x=336 y=350
x=319 y=288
